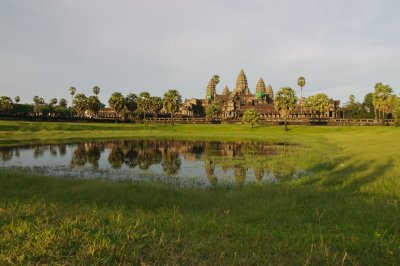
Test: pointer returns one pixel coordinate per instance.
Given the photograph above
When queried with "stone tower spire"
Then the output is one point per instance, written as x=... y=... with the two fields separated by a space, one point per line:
x=241 y=83
x=260 y=89
x=225 y=92
x=211 y=87
x=270 y=93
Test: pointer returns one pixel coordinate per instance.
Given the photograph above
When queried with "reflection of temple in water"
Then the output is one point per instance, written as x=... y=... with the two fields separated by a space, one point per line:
x=166 y=155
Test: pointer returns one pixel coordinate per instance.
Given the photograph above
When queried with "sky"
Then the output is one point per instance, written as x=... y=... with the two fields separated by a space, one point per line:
x=130 y=46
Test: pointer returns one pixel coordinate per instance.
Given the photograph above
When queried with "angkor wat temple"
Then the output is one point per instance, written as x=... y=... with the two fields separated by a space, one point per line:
x=234 y=103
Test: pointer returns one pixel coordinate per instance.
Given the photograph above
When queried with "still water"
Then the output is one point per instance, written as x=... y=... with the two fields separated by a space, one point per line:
x=184 y=163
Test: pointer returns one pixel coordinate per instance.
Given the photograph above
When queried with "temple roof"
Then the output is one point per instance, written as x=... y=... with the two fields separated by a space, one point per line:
x=225 y=92
x=211 y=88
x=260 y=88
x=241 y=83
x=270 y=92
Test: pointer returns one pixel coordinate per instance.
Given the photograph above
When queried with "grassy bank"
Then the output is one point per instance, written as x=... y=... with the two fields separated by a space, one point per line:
x=345 y=211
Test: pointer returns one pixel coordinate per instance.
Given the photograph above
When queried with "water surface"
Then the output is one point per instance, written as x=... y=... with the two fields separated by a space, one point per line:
x=187 y=163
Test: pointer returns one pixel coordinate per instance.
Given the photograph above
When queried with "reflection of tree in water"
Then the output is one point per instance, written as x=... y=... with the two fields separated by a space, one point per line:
x=147 y=157
x=6 y=154
x=38 y=151
x=142 y=154
x=79 y=157
x=62 y=149
x=259 y=173
x=116 y=157
x=240 y=175
x=210 y=171
x=93 y=156
x=131 y=157
x=171 y=162
x=53 y=150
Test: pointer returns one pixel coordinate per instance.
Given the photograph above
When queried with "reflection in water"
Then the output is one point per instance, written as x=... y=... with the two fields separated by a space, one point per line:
x=210 y=171
x=116 y=157
x=214 y=161
x=6 y=154
x=240 y=175
x=171 y=162
x=259 y=173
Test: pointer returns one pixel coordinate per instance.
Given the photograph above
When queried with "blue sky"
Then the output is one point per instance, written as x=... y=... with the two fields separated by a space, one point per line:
x=341 y=47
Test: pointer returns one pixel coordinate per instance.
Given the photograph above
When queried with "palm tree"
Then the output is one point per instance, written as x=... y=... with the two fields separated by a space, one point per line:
x=155 y=105
x=72 y=91
x=17 y=99
x=318 y=104
x=53 y=101
x=383 y=99
x=93 y=105
x=285 y=102
x=301 y=81
x=117 y=102
x=172 y=100
x=143 y=104
x=96 y=90
x=131 y=103
x=5 y=103
x=80 y=104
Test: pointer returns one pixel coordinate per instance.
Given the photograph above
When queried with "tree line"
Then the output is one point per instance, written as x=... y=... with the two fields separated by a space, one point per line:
x=378 y=104
x=131 y=106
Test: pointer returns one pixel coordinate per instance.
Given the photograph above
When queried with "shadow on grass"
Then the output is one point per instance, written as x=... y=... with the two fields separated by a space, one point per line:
x=316 y=222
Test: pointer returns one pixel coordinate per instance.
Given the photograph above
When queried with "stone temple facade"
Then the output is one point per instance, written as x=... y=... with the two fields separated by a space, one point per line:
x=234 y=103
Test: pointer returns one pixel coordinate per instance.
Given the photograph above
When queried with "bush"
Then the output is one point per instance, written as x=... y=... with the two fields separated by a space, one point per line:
x=396 y=112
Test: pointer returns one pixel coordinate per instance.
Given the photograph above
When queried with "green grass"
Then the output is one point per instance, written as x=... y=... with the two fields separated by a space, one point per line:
x=345 y=211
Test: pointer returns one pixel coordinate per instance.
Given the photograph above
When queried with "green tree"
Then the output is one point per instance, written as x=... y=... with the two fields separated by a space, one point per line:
x=53 y=101
x=96 y=90
x=131 y=103
x=143 y=103
x=383 y=99
x=5 y=103
x=350 y=108
x=94 y=105
x=61 y=110
x=172 y=101
x=156 y=104
x=396 y=111
x=368 y=105
x=117 y=103
x=318 y=104
x=285 y=102
x=80 y=104
x=38 y=105
x=251 y=117
x=17 y=99
x=301 y=81
x=72 y=91
x=63 y=103
x=213 y=111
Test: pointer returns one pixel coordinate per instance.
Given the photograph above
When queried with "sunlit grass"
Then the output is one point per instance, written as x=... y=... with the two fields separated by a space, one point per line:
x=344 y=211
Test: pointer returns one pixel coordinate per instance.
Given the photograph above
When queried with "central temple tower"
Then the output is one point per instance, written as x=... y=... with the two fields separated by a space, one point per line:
x=241 y=84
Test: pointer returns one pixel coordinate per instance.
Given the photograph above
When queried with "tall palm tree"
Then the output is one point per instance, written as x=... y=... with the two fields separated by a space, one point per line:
x=96 y=90
x=72 y=91
x=143 y=103
x=17 y=99
x=117 y=102
x=285 y=102
x=301 y=81
x=172 y=100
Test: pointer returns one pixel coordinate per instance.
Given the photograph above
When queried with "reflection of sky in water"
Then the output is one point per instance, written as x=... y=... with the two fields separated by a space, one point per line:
x=182 y=163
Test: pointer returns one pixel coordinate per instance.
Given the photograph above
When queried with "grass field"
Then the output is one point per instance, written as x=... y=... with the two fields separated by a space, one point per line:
x=345 y=211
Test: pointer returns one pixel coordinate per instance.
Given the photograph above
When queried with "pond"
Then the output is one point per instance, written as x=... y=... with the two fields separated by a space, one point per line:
x=184 y=163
